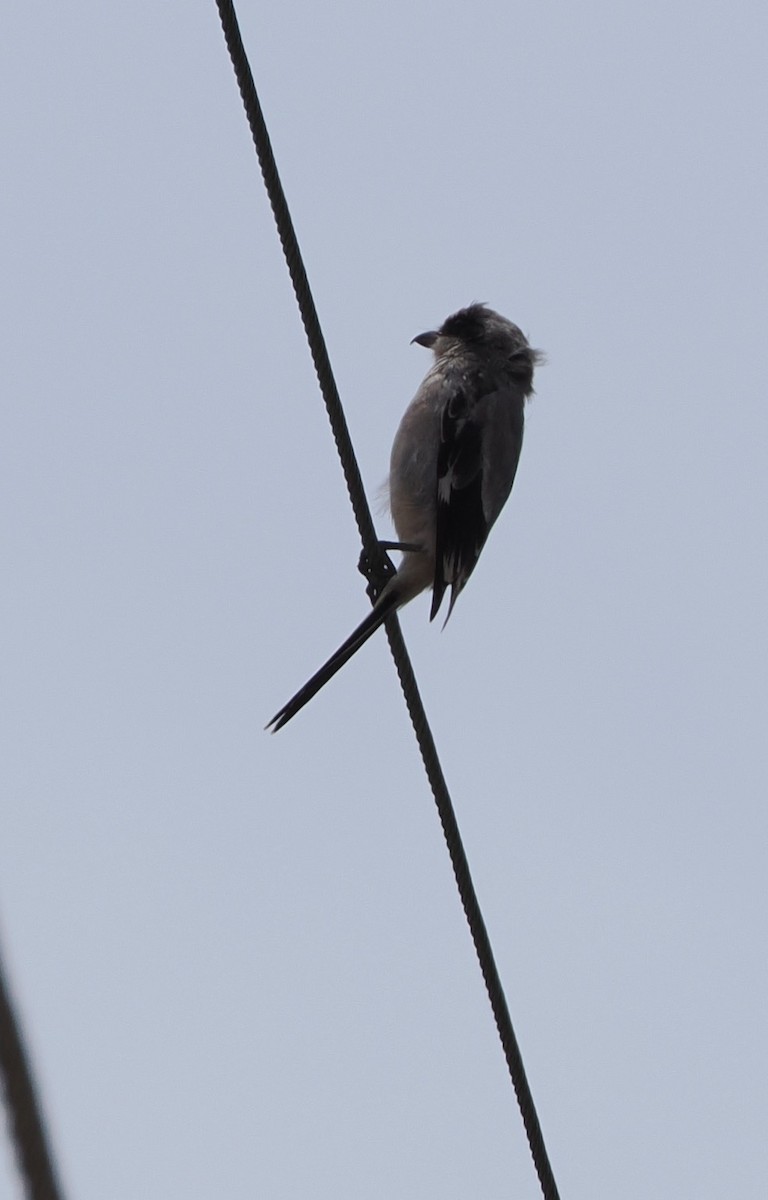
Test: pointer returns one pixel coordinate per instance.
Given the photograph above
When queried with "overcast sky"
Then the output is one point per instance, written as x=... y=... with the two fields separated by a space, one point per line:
x=240 y=959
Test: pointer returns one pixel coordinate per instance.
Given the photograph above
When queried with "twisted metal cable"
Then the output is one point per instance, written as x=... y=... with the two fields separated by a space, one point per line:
x=289 y=242
x=25 y=1120
x=473 y=913
x=375 y=557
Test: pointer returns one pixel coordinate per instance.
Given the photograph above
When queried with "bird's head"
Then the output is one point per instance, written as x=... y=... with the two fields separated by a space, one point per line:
x=478 y=330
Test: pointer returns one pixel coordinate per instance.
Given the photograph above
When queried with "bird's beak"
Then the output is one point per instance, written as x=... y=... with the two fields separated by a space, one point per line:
x=426 y=339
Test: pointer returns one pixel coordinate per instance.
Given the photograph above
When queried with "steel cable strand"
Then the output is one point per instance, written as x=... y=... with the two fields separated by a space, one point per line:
x=375 y=558
x=292 y=252
x=25 y=1120
x=473 y=913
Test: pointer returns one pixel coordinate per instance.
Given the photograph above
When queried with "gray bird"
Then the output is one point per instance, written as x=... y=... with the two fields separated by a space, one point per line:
x=452 y=467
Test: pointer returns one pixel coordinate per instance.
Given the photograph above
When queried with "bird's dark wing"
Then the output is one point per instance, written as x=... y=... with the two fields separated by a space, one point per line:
x=480 y=443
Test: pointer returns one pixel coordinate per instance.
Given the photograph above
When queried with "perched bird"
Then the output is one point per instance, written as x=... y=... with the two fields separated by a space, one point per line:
x=452 y=467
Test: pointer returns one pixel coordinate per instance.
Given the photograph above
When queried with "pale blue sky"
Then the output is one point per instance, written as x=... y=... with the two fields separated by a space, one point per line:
x=241 y=960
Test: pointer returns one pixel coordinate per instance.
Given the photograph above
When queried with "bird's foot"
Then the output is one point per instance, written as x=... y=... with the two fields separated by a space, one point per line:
x=377 y=568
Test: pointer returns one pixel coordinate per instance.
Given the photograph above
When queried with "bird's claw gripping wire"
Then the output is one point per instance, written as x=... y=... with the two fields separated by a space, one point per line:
x=378 y=568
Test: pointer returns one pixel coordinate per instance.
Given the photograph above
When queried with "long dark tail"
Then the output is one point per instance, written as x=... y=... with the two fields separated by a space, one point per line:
x=376 y=617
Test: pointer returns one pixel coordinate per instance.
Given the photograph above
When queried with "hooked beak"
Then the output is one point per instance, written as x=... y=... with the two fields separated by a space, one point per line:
x=426 y=339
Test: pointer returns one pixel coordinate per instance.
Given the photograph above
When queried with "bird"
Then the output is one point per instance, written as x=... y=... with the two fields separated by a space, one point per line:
x=452 y=467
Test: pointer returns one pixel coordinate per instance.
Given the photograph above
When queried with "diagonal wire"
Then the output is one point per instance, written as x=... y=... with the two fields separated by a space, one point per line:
x=473 y=913
x=23 y=1113
x=298 y=275
x=397 y=645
